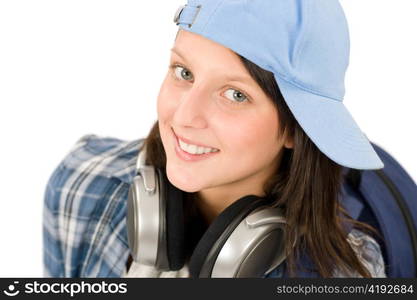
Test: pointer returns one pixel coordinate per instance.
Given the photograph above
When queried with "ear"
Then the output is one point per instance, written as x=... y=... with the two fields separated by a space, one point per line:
x=289 y=143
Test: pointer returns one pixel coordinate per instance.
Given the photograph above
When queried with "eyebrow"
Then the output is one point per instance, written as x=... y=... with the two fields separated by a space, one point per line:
x=178 y=53
x=246 y=79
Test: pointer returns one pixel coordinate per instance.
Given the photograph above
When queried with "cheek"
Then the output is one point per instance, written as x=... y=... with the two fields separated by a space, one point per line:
x=252 y=136
x=165 y=102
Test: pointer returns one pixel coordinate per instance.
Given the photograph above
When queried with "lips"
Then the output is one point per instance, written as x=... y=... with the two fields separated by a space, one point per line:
x=190 y=142
x=188 y=157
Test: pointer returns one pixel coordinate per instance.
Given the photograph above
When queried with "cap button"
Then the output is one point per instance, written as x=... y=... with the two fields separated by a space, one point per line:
x=178 y=13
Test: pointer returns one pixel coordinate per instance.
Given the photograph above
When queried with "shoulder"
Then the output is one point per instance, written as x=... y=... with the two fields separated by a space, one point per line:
x=369 y=253
x=94 y=166
x=102 y=156
x=94 y=157
x=85 y=202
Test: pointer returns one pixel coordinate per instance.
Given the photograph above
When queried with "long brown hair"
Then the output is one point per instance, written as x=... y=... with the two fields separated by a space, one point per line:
x=306 y=185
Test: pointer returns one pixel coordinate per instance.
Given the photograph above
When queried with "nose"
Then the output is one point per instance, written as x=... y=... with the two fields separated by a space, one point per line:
x=192 y=108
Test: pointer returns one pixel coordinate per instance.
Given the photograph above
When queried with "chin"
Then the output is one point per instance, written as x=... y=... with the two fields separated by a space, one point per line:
x=182 y=183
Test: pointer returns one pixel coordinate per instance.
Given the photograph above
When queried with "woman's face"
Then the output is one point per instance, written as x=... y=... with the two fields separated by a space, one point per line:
x=208 y=98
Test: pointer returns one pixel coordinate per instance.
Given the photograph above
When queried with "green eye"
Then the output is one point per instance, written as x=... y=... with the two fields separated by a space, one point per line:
x=236 y=95
x=181 y=72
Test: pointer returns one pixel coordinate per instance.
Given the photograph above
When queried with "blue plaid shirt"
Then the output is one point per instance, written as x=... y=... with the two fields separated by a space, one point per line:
x=84 y=226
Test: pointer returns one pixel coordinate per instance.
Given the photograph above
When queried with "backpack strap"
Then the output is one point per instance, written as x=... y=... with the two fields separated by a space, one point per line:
x=392 y=196
x=405 y=210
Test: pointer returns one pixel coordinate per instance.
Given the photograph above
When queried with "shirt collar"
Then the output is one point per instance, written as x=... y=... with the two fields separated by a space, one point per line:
x=126 y=166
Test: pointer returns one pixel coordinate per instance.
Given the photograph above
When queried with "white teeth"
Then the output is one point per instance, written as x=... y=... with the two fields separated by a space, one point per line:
x=193 y=149
x=200 y=150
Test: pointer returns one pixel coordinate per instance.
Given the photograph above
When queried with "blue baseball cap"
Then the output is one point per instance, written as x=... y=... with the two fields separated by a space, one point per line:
x=305 y=44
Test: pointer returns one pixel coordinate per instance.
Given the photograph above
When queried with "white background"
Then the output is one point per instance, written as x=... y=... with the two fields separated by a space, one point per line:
x=68 y=68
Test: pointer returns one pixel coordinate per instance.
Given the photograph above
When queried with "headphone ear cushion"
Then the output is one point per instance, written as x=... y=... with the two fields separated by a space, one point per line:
x=209 y=246
x=174 y=225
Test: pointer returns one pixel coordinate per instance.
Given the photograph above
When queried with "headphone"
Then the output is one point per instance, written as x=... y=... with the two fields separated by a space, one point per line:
x=244 y=240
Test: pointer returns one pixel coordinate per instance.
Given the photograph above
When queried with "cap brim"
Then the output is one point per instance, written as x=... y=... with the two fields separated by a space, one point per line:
x=331 y=127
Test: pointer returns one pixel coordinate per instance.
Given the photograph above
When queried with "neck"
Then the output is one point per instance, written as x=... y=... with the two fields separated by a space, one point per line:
x=211 y=202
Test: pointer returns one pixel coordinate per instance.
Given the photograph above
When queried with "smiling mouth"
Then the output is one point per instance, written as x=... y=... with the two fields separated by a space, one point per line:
x=187 y=150
x=193 y=149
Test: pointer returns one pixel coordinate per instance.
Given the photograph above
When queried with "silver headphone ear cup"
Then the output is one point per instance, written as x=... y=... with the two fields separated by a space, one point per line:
x=255 y=247
x=214 y=238
x=245 y=240
x=143 y=218
x=155 y=223
x=131 y=220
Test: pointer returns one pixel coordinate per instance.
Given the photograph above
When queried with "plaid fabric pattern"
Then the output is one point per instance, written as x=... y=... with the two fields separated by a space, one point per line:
x=84 y=227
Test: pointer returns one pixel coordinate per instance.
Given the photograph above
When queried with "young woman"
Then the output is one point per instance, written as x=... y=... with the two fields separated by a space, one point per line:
x=251 y=105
